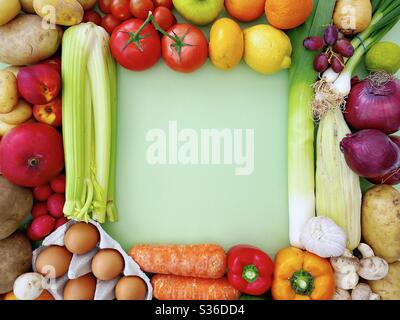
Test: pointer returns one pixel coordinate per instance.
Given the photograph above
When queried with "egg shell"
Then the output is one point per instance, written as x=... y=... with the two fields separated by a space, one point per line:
x=56 y=257
x=82 y=288
x=107 y=264
x=130 y=288
x=81 y=238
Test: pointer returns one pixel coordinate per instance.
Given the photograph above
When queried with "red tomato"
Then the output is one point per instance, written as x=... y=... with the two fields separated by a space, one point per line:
x=92 y=16
x=141 y=8
x=109 y=22
x=164 y=18
x=120 y=9
x=163 y=3
x=136 y=52
x=105 y=6
x=190 y=50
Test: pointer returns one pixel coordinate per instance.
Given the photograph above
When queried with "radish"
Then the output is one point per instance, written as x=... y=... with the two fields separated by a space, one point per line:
x=39 y=209
x=55 y=205
x=40 y=227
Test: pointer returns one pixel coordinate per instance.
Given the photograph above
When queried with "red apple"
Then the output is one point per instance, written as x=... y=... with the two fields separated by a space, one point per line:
x=50 y=113
x=55 y=62
x=31 y=154
x=55 y=205
x=42 y=192
x=39 y=209
x=58 y=184
x=60 y=222
x=39 y=84
x=40 y=227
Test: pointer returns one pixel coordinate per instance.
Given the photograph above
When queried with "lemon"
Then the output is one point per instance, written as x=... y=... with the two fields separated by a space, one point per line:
x=267 y=49
x=383 y=56
x=226 y=44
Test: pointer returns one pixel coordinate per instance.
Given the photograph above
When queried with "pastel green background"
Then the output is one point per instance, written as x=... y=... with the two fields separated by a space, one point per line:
x=203 y=203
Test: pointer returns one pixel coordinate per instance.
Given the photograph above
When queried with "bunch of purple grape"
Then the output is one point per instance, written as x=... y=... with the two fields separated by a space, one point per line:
x=335 y=47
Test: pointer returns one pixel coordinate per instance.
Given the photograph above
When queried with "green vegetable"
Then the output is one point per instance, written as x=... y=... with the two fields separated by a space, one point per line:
x=89 y=123
x=301 y=125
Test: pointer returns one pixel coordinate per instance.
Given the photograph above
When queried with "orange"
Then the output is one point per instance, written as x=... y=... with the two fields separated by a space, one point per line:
x=10 y=296
x=245 y=10
x=45 y=296
x=288 y=14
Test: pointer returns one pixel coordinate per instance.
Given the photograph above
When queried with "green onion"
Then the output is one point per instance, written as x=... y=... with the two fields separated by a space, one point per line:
x=300 y=121
x=89 y=123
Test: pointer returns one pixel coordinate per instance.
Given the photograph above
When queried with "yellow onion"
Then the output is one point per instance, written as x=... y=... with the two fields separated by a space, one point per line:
x=352 y=16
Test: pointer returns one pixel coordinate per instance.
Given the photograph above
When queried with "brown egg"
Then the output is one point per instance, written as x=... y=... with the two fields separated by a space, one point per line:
x=53 y=261
x=82 y=288
x=130 y=288
x=81 y=238
x=107 y=264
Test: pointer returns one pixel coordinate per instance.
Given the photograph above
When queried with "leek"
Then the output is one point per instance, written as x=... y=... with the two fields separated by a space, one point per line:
x=89 y=123
x=300 y=122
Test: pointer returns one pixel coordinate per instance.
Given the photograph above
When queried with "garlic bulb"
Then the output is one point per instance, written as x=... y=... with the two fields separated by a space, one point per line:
x=323 y=237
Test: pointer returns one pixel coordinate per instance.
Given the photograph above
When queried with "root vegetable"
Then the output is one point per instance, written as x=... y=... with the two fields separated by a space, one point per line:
x=9 y=10
x=371 y=267
x=16 y=258
x=15 y=205
x=27 y=6
x=21 y=113
x=346 y=267
x=5 y=128
x=8 y=91
x=67 y=13
x=352 y=16
x=389 y=287
x=87 y=4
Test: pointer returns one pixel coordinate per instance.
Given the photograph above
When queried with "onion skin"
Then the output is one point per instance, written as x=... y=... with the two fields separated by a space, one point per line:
x=391 y=178
x=374 y=108
x=371 y=153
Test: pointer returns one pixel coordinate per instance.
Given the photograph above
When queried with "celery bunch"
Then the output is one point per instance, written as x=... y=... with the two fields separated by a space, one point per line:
x=89 y=123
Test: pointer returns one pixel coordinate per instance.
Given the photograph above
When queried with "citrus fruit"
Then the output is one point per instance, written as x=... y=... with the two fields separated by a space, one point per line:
x=245 y=10
x=267 y=49
x=226 y=44
x=383 y=56
x=10 y=296
x=288 y=14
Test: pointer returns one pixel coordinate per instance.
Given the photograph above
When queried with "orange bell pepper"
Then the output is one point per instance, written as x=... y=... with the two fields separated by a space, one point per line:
x=301 y=275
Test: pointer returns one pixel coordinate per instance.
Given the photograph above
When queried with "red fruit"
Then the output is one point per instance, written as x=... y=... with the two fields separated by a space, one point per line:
x=54 y=62
x=40 y=227
x=58 y=184
x=55 y=205
x=42 y=192
x=50 y=113
x=164 y=18
x=163 y=3
x=92 y=16
x=120 y=9
x=140 y=8
x=105 y=6
x=31 y=154
x=39 y=84
x=109 y=23
x=39 y=209
x=60 y=222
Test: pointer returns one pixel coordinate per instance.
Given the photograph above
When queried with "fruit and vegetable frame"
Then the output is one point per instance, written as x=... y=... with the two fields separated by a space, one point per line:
x=199 y=150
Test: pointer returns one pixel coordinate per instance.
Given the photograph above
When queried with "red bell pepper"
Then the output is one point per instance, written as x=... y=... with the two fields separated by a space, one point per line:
x=249 y=269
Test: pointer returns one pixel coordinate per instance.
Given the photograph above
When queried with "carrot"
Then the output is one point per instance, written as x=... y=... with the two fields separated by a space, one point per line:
x=168 y=287
x=201 y=261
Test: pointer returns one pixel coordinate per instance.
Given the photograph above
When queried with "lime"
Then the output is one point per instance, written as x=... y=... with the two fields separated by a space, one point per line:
x=383 y=56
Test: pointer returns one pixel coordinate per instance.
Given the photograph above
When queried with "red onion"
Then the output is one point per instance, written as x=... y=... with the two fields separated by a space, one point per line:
x=370 y=153
x=375 y=104
x=391 y=178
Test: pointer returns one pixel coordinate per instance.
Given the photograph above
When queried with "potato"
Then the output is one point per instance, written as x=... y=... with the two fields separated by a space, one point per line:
x=27 y=6
x=389 y=287
x=25 y=41
x=13 y=69
x=9 y=10
x=87 y=4
x=8 y=91
x=16 y=259
x=380 y=221
x=67 y=12
x=15 y=205
x=21 y=113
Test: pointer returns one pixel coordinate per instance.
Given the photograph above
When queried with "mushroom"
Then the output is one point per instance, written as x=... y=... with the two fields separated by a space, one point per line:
x=346 y=267
x=363 y=292
x=371 y=267
x=341 y=294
